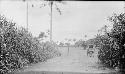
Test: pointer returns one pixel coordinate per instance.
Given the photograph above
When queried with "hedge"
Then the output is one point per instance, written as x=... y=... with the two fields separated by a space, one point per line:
x=19 y=48
x=112 y=49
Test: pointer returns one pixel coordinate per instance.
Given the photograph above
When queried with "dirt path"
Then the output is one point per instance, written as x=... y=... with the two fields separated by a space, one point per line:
x=74 y=61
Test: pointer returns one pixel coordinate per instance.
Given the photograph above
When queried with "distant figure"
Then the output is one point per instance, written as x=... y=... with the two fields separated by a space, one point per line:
x=90 y=50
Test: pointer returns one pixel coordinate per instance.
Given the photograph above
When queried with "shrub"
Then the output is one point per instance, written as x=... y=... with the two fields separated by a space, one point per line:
x=105 y=52
x=19 y=48
x=48 y=48
x=112 y=54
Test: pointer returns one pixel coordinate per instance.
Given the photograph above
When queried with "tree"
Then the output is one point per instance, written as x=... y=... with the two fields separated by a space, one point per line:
x=84 y=44
x=50 y=3
x=68 y=44
x=74 y=39
x=97 y=40
x=27 y=23
x=80 y=43
x=61 y=43
x=42 y=35
x=118 y=36
x=112 y=49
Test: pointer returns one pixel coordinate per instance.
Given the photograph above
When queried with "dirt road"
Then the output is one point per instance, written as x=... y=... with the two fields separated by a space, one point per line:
x=74 y=62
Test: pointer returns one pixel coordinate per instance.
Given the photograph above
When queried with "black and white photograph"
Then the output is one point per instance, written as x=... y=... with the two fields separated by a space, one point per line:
x=62 y=37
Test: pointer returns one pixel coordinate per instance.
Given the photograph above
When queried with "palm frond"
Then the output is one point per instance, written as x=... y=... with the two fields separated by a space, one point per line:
x=58 y=9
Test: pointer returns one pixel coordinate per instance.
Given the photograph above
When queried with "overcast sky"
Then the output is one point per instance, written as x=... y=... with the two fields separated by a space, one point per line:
x=78 y=18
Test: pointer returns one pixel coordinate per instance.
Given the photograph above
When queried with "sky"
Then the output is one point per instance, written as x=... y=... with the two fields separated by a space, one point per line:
x=78 y=18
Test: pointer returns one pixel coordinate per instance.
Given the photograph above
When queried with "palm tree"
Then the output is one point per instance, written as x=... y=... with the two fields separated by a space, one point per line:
x=124 y=6
x=42 y=35
x=26 y=13
x=27 y=16
x=50 y=3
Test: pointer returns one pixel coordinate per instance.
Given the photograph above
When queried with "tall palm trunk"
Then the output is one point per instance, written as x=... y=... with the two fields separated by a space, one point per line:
x=51 y=6
x=124 y=6
x=27 y=16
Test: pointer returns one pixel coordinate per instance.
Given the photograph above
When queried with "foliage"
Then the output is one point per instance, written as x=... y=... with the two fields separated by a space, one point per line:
x=74 y=39
x=42 y=35
x=112 y=50
x=61 y=44
x=19 y=48
x=48 y=48
x=67 y=44
x=80 y=43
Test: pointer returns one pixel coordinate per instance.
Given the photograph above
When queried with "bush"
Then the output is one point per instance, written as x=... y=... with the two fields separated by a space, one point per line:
x=106 y=52
x=48 y=49
x=19 y=48
x=112 y=53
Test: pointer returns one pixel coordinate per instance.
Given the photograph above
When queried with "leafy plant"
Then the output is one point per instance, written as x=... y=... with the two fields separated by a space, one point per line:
x=112 y=50
x=19 y=48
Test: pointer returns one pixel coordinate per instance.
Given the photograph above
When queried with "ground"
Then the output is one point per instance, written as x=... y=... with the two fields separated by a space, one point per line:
x=74 y=62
